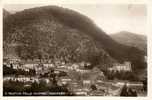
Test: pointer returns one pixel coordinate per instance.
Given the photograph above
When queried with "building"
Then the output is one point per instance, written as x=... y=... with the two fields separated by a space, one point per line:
x=126 y=66
x=86 y=84
x=145 y=58
x=48 y=65
x=82 y=71
x=64 y=80
x=30 y=65
x=11 y=59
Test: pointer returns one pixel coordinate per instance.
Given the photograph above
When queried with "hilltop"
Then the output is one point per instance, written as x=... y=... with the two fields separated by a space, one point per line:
x=131 y=39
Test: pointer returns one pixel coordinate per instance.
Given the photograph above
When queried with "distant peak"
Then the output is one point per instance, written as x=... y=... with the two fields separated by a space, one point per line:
x=128 y=33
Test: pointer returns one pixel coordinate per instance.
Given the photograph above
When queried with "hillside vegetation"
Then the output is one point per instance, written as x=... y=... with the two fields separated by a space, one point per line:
x=53 y=32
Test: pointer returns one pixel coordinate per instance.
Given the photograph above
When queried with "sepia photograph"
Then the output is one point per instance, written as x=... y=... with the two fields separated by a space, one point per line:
x=75 y=50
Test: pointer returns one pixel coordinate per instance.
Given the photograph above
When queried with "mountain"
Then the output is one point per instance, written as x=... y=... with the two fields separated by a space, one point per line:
x=60 y=33
x=131 y=39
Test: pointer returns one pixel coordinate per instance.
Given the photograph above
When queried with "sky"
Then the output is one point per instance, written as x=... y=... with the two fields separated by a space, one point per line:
x=111 y=18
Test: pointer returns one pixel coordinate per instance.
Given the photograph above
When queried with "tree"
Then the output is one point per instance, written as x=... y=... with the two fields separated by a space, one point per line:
x=124 y=91
x=93 y=87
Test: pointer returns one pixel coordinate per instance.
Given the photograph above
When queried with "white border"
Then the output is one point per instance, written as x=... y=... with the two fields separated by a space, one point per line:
x=51 y=2
x=73 y=1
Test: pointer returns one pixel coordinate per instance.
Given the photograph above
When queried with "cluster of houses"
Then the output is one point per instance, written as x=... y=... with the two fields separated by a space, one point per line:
x=25 y=79
x=42 y=66
x=81 y=87
x=39 y=65
x=21 y=79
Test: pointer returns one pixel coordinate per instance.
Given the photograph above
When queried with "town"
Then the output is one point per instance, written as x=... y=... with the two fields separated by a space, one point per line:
x=70 y=78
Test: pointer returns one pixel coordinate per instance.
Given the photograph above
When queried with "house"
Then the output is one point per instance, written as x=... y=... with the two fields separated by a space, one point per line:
x=74 y=84
x=11 y=58
x=86 y=81
x=30 y=65
x=145 y=58
x=56 y=71
x=16 y=66
x=75 y=66
x=71 y=66
x=84 y=64
x=48 y=65
x=86 y=84
x=45 y=80
x=126 y=66
x=62 y=66
x=81 y=93
x=7 y=78
x=64 y=80
x=82 y=70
